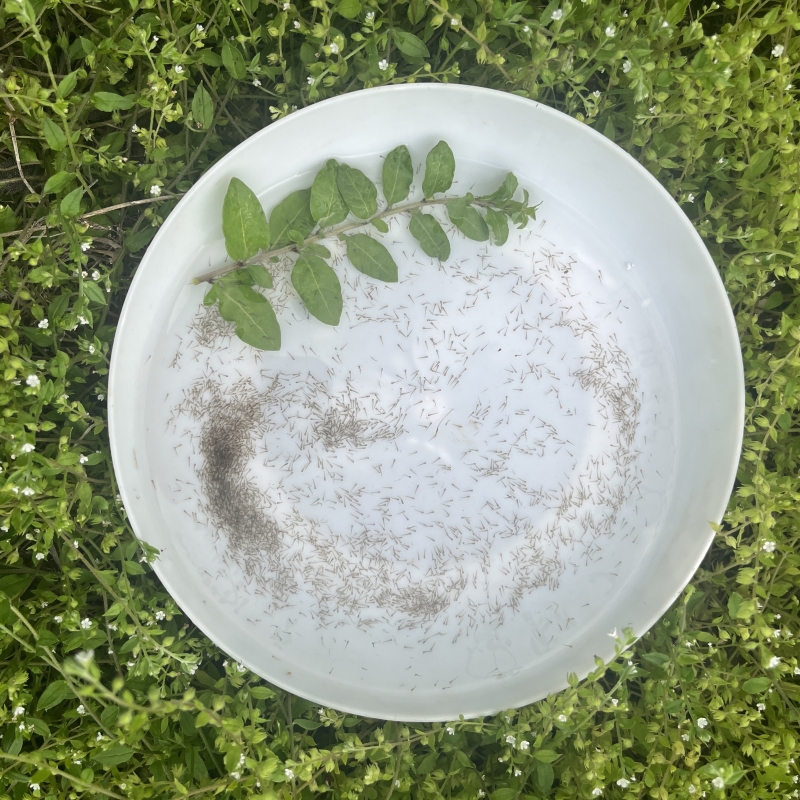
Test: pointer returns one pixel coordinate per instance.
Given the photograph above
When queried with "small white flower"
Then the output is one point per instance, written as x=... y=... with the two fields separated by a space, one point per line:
x=28 y=492
x=623 y=783
x=286 y=6
x=481 y=793
x=611 y=31
x=557 y=14
x=685 y=737
x=665 y=24
x=769 y=547
x=773 y=662
x=39 y=556
x=596 y=93
x=788 y=86
x=199 y=28
x=57 y=619
x=702 y=722
x=450 y=730
x=134 y=128
x=84 y=273
x=690 y=198
x=692 y=790
x=83 y=459
x=370 y=16
x=123 y=786
x=652 y=109
x=776 y=632
x=383 y=65
x=561 y=718
x=83 y=657
x=99 y=737
x=777 y=51
x=296 y=23
x=397 y=782
x=526 y=28
x=178 y=69
x=626 y=66
x=18 y=711
x=86 y=623
x=310 y=80
x=524 y=744
x=81 y=709
x=155 y=190
x=241 y=667
x=288 y=773
x=155 y=38
x=761 y=707
x=27 y=447
x=512 y=740
x=83 y=320
x=44 y=323
x=256 y=82
x=454 y=21
x=101 y=397
x=77 y=761
x=34 y=787
x=334 y=48
x=33 y=380
x=91 y=348
x=95 y=275
x=160 y=615
x=718 y=783
x=517 y=773
x=597 y=791
x=236 y=775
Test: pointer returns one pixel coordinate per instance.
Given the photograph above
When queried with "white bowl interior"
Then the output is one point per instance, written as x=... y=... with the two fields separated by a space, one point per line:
x=608 y=236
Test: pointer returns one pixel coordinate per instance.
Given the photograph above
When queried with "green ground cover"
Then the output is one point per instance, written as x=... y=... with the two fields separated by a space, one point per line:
x=110 y=111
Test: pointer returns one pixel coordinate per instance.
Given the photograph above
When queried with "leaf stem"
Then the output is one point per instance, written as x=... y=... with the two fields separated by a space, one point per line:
x=208 y=277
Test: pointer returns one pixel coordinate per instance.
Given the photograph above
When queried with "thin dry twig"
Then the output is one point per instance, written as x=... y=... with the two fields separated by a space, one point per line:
x=16 y=155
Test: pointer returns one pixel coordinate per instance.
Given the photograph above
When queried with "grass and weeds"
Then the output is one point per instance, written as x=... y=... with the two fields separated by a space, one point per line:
x=110 y=111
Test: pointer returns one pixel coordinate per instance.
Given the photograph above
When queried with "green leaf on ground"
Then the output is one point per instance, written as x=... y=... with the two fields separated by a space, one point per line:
x=369 y=256
x=253 y=315
x=426 y=229
x=202 y=108
x=409 y=45
x=55 y=183
x=244 y=223
x=233 y=60
x=319 y=288
x=71 y=203
x=398 y=173
x=110 y=101
x=358 y=191
x=327 y=204
x=53 y=135
x=54 y=693
x=440 y=166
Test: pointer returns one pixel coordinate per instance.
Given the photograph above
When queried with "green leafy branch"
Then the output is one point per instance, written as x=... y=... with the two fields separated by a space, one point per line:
x=303 y=219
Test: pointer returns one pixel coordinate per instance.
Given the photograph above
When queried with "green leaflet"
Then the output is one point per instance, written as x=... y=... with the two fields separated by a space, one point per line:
x=202 y=108
x=409 y=45
x=318 y=287
x=505 y=191
x=369 y=256
x=317 y=250
x=71 y=203
x=467 y=219
x=398 y=172
x=498 y=222
x=55 y=183
x=327 y=205
x=293 y=213
x=244 y=223
x=66 y=85
x=440 y=166
x=428 y=232
x=110 y=101
x=380 y=225
x=358 y=191
x=233 y=60
x=54 y=136
x=252 y=314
